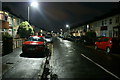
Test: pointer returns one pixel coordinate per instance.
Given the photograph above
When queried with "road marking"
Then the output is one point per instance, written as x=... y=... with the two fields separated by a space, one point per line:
x=100 y=66
x=52 y=50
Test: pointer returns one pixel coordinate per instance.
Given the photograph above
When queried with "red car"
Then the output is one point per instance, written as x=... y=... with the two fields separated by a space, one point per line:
x=108 y=43
x=34 y=44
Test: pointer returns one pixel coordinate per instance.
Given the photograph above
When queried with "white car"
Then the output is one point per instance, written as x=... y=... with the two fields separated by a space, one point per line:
x=49 y=39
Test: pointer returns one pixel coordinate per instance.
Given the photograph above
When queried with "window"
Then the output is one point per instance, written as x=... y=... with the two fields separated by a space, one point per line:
x=105 y=22
x=1 y=16
x=15 y=21
x=110 y=21
x=105 y=39
x=95 y=25
x=10 y=20
x=35 y=39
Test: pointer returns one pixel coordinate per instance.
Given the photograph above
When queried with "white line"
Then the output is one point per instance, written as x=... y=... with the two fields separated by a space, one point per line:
x=52 y=50
x=100 y=66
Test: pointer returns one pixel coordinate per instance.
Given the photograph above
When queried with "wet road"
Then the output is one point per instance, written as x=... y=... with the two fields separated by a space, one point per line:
x=71 y=60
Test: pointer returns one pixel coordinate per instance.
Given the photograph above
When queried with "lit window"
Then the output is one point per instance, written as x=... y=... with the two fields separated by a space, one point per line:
x=1 y=11
x=0 y=16
x=87 y=26
x=14 y=21
x=105 y=22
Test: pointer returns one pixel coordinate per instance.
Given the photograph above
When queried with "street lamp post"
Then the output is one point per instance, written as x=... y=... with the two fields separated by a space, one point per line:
x=33 y=4
x=61 y=32
x=67 y=26
x=28 y=13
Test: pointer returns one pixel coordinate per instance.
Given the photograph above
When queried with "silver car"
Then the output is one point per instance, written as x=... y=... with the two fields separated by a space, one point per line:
x=49 y=39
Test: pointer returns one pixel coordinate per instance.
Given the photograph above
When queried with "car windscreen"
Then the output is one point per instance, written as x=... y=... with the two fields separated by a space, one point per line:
x=35 y=39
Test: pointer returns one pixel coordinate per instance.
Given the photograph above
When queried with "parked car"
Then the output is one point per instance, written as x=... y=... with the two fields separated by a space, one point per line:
x=75 y=38
x=49 y=39
x=108 y=43
x=85 y=40
x=34 y=44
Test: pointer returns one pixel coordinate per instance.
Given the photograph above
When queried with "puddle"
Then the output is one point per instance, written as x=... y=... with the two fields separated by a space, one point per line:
x=9 y=63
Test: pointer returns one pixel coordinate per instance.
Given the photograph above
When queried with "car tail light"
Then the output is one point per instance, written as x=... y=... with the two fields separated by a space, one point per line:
x=95 y=42
x=110 y=42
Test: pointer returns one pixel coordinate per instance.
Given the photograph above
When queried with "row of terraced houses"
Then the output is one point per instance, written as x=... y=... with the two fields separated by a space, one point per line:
x=106 y=25
x=10 y=23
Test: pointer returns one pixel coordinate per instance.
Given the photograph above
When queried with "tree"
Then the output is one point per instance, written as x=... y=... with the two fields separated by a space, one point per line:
x=25 y=30
x=91 y=37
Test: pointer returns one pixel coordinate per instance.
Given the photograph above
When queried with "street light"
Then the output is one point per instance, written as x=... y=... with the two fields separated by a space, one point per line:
x=33 y=4
x=51 y=31
x=61 y=30
x=67 y=26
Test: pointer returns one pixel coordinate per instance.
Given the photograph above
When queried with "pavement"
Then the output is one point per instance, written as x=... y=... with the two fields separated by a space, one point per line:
x=16 y=66
x=0 y=48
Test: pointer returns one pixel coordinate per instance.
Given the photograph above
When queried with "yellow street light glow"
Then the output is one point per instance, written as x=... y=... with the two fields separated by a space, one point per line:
x=6 y=13
x=14 y=19
x=1 y=12
x=34 y=4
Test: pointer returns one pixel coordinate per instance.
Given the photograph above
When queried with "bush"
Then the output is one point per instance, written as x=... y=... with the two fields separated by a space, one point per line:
x=91 y=36
x=25 y=30
x=7 y=43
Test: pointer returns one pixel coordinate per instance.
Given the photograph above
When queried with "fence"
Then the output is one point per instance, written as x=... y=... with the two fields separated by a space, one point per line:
x=17 y=43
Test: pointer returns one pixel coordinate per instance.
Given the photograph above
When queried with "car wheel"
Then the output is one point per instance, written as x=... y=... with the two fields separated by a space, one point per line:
x=108 y=50
x=96 y=47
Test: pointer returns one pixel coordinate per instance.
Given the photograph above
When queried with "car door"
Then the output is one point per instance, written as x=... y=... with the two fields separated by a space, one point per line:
x=98 y=42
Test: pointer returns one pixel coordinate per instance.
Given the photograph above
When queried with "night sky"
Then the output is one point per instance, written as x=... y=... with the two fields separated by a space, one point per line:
x=55 y=15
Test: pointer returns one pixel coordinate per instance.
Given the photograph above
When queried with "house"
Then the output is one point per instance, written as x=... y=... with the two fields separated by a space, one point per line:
x=106 y=25
x=9 y=22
